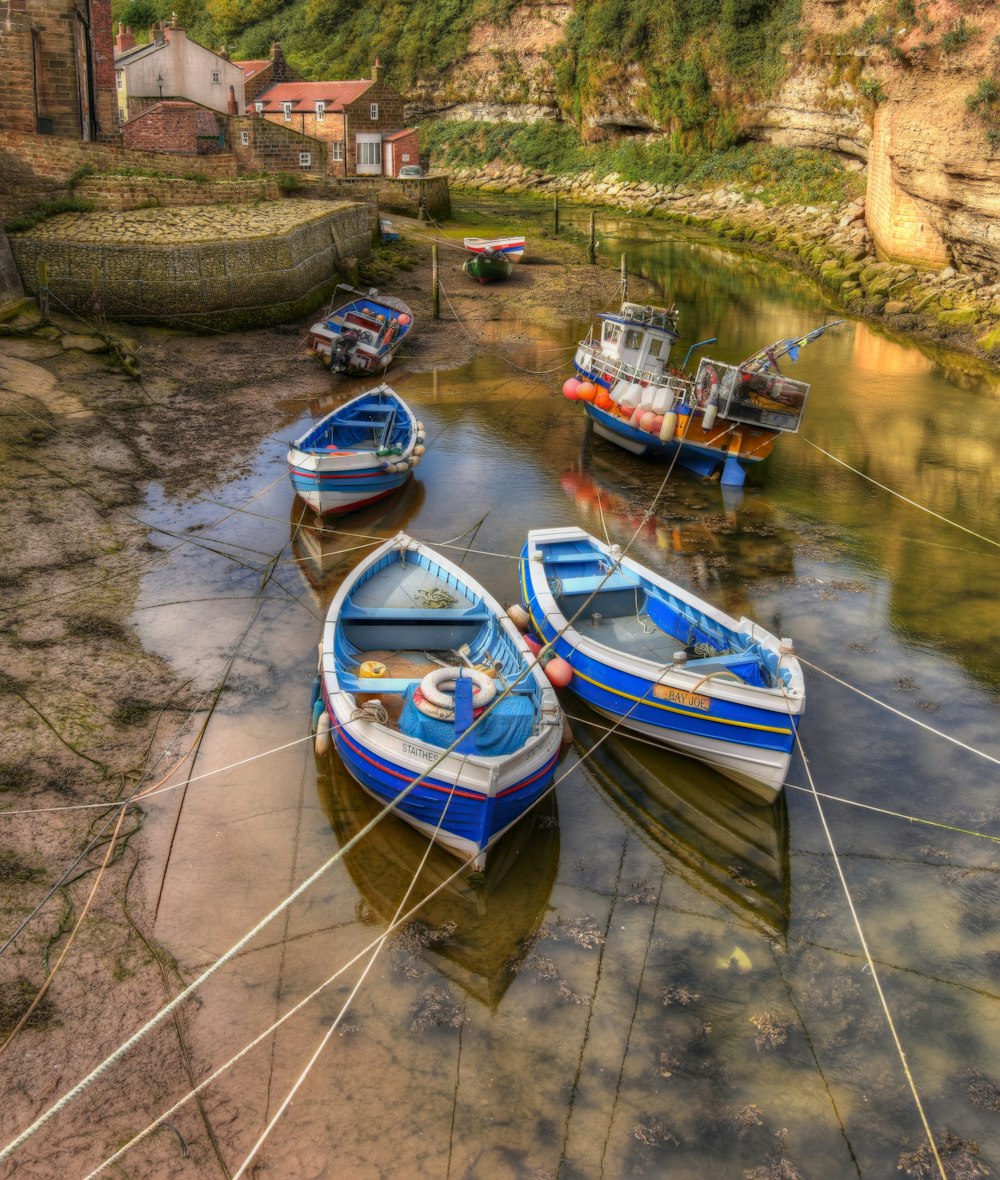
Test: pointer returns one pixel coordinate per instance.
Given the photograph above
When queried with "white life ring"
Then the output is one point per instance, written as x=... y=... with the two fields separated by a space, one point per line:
x=437 y=691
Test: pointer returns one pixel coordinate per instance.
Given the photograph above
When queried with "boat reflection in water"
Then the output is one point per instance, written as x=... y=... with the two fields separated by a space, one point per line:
x=325 y=548
x=487 y=919
x=722 y=839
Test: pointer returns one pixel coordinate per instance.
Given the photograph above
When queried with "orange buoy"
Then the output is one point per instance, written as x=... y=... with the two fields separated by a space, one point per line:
x=586 y=391
x=559 y=672
x=603 y=400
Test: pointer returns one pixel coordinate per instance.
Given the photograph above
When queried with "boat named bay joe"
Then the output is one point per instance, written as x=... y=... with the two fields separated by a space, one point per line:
x=434 y=700
x=488 y=265
x=660 y=662
x=360 y=452
x=725 y=419
x=362 y=335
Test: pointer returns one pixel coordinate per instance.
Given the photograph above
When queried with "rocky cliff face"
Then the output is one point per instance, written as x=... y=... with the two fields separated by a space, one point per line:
x=938 y=167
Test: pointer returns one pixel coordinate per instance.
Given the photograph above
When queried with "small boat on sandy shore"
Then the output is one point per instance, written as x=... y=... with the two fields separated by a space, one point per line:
x=512 y=248
x=362 y=335
x=434 y=700
x=661 y=662
x=488 y=266
x=360 y=452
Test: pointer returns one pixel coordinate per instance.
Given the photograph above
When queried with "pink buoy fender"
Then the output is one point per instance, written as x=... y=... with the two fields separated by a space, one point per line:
x=559 y=672
x=570 y=387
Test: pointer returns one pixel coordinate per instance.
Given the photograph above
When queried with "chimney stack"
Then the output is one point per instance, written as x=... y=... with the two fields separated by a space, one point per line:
x=234 y=106
x=377 y=70
x=125 y=39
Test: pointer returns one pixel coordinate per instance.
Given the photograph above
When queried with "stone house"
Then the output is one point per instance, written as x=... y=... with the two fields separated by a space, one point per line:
x=172 y=66
x=361 y=123
x=261 y=75
x=57 y=69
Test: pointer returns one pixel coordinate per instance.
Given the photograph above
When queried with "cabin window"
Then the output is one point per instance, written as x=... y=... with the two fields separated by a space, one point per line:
x=612 y=333
x=245 y=138
x=655 y=347
x=320 y=111
x=374 y=110
x=633 y=338
x=337 y=150
x=286 y=110
x=216 y=76
x=305 y=159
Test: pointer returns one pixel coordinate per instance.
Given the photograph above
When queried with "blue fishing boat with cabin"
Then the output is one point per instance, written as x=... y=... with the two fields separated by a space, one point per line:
x=718 y=424
x=363 y=334
x=433 y=699
x=660 y=662
x=359 y=453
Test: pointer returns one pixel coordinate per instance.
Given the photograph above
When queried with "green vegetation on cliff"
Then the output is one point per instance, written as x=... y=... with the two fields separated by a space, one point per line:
x=776 y=175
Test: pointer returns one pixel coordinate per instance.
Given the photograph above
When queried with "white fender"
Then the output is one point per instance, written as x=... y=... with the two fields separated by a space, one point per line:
x=322 y=739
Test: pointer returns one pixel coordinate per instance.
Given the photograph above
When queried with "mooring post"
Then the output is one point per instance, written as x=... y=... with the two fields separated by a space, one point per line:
x=434 y=281
x=555 y=211
x=624 y=279
x=43 y=289
x=591 y=251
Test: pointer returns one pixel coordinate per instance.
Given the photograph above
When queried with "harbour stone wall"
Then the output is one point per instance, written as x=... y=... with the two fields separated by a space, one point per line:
x=210 y=267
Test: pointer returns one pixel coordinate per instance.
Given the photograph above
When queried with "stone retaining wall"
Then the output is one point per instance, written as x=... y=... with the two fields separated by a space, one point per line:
x=143 y=192
x=220 y=268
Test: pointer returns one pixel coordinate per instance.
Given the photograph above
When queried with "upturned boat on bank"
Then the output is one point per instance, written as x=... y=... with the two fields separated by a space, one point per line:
x=659 y=661
x=488 y=265
x=433 y=699
x=724 y=420
x=362 y=335
x=359 y=453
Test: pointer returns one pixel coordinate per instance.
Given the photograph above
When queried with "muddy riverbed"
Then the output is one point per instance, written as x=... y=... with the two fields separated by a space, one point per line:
x=90 y=717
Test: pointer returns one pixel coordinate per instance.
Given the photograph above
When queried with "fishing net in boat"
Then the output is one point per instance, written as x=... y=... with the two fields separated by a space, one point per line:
x=503 y=730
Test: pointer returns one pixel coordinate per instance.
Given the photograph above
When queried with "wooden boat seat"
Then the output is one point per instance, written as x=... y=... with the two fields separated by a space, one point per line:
x=374 y=684
x=365 y=423
x=590 y=582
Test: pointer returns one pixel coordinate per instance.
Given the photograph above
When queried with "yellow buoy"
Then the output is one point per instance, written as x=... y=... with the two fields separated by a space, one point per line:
x=373 y=669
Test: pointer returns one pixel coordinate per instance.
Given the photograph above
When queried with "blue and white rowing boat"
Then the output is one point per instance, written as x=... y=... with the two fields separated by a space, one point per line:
x=660 y=662
x=422 y=674
x=358 y=453
x=362 y=335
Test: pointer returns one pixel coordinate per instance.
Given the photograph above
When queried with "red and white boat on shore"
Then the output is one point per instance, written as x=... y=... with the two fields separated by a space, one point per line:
x=511 y=248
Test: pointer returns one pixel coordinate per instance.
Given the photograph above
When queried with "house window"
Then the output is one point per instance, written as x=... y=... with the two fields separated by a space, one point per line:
x=374 y=110
x=258 y=107
x=216 y=76
x=119 y=80
x=405 y=157
x=245 y=138
x=369 y=154
x=337 y=150
x=286 y=110
x=305 y=159
x=320 y=111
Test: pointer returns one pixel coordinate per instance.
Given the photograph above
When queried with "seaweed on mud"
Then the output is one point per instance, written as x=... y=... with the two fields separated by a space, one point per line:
x=959 y=1157
x=16 y=777
x=772 y=1031
x=15 y=999
x=654 y=1133
x=436 y=1007
x=643 y=892
x=99 y=627
x=777 y=1166
x=583 y=931
x=14 y=871
x=679 y=995
x=983 y=1091
x=415 y=937
x=131 y=711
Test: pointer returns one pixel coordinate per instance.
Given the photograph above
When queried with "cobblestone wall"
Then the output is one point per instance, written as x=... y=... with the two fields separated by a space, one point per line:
x=211 y=267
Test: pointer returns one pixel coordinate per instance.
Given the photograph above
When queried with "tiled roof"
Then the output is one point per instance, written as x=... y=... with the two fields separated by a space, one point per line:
x=305 y=95
x=398 y=134
x=250 y=68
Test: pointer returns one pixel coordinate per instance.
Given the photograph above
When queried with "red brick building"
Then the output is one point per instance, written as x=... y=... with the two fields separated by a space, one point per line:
x=182 y=128
x=57 y=72
x=360 y=122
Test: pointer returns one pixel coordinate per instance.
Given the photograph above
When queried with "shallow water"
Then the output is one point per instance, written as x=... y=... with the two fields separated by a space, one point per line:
x=657 y=977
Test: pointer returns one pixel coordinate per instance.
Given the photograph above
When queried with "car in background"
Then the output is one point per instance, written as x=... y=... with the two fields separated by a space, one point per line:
x=409 y=171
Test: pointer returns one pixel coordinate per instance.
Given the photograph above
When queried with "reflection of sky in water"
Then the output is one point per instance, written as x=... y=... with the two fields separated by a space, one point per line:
x=648 y=1026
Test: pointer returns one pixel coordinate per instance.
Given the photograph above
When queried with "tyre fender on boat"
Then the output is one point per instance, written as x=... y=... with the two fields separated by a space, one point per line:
x=436 y=697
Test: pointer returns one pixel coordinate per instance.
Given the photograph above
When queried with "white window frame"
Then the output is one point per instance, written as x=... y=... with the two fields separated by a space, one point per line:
x=364 y=146
x=216 y=77
x=320 y=112
x=305 y=159
x=258 y=107
x=245 y=138
x=337 y=150
x=286 y=111
x=405 y=158
x=373 y=110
